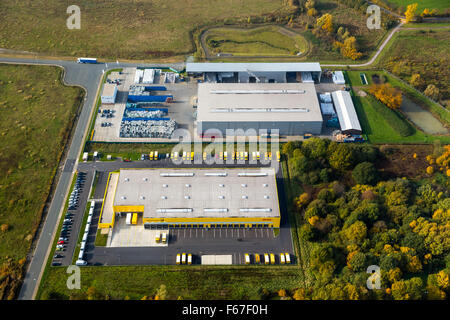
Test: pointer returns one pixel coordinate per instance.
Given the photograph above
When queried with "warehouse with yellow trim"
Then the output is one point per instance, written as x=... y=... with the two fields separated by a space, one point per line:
x=193 y=198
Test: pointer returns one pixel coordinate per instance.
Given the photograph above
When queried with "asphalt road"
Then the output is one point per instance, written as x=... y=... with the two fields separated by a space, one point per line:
x=87 y=76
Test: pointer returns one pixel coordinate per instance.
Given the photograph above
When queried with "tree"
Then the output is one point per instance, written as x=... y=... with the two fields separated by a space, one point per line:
x=387 y=94
x=416 y=80
x=342 y=157
x=365 y=173
x=356 y=233
x=432 y=91
x=325 y=22
x=161 y=293
x=310 y=4
x=348 y=48
x=410 y=12
x=312 y=12
x=430 y=170
x=408 y=289
x=356 y=261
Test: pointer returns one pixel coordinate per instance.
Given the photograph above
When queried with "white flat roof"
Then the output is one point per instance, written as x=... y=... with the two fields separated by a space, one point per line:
x=244 y=102
x=256 y=67
x=348 y=119
x=192 y=193
x=109 y=90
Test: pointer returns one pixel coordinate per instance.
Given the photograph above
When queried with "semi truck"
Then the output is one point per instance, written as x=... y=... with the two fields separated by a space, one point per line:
x=87 y=60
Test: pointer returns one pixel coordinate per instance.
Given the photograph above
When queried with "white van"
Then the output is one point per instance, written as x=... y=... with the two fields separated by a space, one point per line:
x=80 y=262
x=164 y=237
x=128 y=221
x=80 y=255
x=183 y=258
x=288 y=258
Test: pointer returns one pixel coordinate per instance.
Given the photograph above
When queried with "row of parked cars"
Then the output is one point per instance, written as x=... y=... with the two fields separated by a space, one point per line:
x=66 y=229
x=76 y=192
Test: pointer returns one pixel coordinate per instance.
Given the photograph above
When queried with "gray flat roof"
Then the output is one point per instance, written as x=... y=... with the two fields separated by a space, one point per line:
x=256 y=67
x=250 y=102
x=147 y=187
x=348 y=119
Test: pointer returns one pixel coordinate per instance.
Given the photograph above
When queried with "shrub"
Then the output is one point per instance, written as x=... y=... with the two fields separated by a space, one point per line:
x=430 y=170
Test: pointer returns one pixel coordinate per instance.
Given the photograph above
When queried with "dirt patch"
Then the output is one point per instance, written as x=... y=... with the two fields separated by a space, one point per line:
x=362 y=93
x=400 y=161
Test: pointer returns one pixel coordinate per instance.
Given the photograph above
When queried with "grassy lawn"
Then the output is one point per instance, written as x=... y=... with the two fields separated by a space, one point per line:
x=377 y=127
x=37 y=112
x=353 y=78
x=269 y=40
x=430 y=4
x=118 y=28
x=101 y=239
x=188 y=282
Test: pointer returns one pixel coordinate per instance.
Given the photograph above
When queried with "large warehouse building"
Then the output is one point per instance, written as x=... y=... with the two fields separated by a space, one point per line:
x=256 y=72
x=291 y=108
x=204 y=198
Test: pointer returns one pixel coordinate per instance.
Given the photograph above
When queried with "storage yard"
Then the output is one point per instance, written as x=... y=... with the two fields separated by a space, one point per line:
x=152 y=103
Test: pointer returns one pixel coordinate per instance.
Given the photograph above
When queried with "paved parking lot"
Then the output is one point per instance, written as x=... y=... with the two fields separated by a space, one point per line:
x=124 y=235
x=212 y=234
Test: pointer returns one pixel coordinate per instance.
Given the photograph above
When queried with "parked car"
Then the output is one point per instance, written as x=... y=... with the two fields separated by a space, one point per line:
x=54 y=264
x=61 y=242
x=58 y=256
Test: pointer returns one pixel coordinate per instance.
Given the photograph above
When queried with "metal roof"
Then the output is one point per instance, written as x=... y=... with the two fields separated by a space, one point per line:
x=191 y=192
x=109 y=90
x=255 y=67
x=270 y=102
x=348 y=119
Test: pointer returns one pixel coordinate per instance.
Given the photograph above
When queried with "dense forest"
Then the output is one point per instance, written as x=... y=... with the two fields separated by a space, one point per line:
x=352 y=215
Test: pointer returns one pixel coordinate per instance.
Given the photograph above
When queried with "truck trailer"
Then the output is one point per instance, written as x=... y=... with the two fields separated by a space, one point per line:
x=87 y=60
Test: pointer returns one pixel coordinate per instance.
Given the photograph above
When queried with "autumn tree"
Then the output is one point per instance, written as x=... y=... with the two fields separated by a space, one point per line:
x=432 y=91
x=416 y=80
x=325 y=22
x=312 y=12
x=365 y=173
x=387 y=94
x=348 y=48
x=410 y=12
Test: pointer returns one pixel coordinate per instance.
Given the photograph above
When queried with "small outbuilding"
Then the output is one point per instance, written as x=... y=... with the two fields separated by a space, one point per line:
x=348 y=119
x=109 y=93
x=338 y=77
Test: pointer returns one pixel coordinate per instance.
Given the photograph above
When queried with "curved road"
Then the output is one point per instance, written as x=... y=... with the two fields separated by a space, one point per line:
x=87 y=76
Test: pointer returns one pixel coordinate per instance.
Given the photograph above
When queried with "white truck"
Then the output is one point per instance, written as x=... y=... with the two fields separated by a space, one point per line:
x=128 y=221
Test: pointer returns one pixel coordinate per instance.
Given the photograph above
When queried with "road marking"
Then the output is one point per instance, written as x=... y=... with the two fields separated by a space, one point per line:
x=238 y=233
x=226 y=233
x=202 y=233
x=196 y=233
x=220 y=232
x=184 y=233
x=190 y=233
x=256 y=233
x=268 y=235
x=243 y=230
x=214 y=230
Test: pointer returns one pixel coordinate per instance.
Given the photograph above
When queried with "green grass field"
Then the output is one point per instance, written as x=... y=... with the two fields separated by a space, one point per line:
x=37 y=112
x=440 y=5
x=188 y=282
x=263 y=41
x=118 y=28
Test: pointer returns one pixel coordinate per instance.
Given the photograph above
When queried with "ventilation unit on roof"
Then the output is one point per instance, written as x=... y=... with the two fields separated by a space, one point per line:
x=176 y=174
x=252 y=174
x=174 y=210
x=215 y=210
x=255 y=210
x=216 y=174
